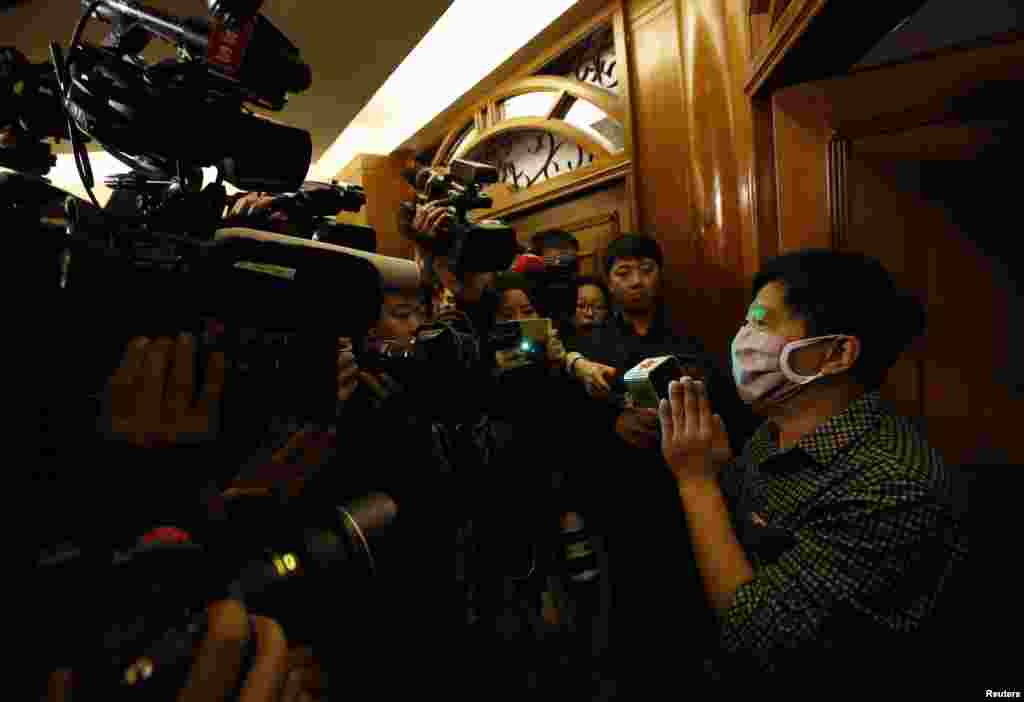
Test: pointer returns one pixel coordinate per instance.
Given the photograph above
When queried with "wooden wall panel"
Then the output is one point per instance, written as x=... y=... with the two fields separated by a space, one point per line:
x=593 y=219
x=801 y=139
x=971 y=409
x=721 y=165
x=884 y=199
x=694 y=166
x=764 y=190
x=832 y=195
x=662 y=149
x=381 y=178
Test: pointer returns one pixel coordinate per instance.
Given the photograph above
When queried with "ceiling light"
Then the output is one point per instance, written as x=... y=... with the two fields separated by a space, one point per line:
x=448 y=62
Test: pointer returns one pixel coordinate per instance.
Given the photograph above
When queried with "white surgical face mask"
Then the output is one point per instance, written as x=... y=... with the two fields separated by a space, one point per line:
x=760 y=365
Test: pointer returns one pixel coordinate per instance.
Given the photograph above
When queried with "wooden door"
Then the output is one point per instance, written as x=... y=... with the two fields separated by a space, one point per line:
x=856 y=160
x=594 y=219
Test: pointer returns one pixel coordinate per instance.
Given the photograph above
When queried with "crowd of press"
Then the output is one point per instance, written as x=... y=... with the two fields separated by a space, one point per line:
x=767 y=523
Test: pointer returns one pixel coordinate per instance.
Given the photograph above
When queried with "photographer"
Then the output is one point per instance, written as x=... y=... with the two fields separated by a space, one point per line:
x=430 y=231
x=360 y=393
x=148 y=406
x=507 y=563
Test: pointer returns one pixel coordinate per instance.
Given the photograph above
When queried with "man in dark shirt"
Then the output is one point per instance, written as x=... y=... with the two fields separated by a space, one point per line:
x=654 y=595
x=827 y=544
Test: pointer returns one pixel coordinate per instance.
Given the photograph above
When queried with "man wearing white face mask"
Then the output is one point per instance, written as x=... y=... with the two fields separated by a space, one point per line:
x=828 y=544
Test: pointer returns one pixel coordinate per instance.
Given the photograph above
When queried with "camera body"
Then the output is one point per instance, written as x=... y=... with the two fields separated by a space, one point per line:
x=647 y=382
x=309 y=212
x=520 y=343
x=153 y=601
x=471 y=247
x=555 y=290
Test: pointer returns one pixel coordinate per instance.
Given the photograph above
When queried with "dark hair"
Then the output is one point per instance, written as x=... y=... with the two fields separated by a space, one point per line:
x=840 y=292
x=512 y=280
x=597 y=282
x=631 y=245
x=553 y=237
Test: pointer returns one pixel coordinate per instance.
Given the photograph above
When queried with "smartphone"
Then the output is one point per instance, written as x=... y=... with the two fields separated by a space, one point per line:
x=520 y=343
x=647 y=382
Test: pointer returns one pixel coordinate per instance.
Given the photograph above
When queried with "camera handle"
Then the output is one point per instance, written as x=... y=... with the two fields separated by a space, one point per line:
x=241 y=658
x=239 y=652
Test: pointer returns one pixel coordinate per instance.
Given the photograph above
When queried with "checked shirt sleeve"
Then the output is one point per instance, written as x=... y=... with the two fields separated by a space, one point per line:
x=865 y=553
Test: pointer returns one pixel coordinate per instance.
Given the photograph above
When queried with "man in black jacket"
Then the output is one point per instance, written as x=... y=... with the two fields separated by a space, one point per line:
x=654 y=599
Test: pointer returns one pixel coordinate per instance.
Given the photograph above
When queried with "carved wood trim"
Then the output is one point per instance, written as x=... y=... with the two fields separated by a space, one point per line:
x=763 y=186
x=785 y=32
x=590 y=222
x=605 y=16
x=589 y=139
x=570 y=86
x=607 y=102
x=446 y=145
x=558 y=108
x=613 y=218
x=641 y=11
x=602 y=17
x=776 y=8
x=508 y=202
x=623 y=66
x=839 y=191
x=557 y=84
x=918 y=93
x=835 y=113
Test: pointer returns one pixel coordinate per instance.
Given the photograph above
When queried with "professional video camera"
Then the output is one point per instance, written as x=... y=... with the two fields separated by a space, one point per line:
x=445 y=364
x=310 y=213
x=166 y=265
x=153 y=595
x=170 y=251
x=471 y=247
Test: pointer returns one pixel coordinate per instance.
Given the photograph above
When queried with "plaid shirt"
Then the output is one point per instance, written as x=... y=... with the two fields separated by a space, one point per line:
x=848 y=532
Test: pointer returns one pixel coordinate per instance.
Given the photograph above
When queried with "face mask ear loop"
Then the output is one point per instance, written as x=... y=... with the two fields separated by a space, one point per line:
x=788 y=371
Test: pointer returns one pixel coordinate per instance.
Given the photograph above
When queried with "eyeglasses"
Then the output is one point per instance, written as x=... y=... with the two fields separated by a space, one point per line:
x=592 y=307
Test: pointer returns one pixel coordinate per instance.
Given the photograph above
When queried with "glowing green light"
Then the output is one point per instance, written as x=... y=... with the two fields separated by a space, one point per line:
x=757 y=312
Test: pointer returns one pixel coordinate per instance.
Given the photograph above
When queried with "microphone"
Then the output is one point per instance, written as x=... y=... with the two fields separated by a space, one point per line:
x=528 y=264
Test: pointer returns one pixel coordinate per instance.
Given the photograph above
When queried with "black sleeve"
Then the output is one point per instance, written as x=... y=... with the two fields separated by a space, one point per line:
x=593 y=415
